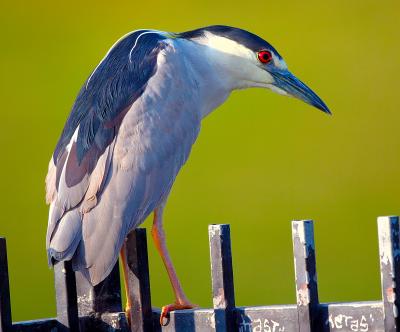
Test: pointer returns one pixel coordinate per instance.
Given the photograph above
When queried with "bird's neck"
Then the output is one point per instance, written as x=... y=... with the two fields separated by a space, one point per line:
x=213 y=87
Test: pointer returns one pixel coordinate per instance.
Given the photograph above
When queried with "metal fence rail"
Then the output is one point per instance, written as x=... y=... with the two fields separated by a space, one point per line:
x=82 y=307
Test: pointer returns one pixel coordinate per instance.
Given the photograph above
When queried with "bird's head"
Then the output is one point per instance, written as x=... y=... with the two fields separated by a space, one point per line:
x=247 y=60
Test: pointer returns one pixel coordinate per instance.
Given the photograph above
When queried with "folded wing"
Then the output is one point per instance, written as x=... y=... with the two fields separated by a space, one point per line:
x=83 y=154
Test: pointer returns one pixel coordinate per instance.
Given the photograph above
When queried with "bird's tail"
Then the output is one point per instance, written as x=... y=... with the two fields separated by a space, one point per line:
x=64 y=232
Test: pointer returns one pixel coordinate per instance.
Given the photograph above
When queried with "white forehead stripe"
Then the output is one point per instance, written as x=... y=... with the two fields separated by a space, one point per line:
x=230 y=46
x=225 y=45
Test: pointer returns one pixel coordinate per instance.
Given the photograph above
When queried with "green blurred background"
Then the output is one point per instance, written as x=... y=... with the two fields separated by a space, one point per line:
x=261 y=159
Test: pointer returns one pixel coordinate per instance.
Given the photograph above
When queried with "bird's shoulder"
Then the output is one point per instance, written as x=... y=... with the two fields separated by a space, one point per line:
x=103 y=101
x=112 y=87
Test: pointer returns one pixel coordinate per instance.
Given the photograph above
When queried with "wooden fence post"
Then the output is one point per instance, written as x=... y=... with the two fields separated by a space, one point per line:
x=139 y=281
x=5 y=304
x=67 y=309
x=222 y=274
x=306 y=275
x=389 y=252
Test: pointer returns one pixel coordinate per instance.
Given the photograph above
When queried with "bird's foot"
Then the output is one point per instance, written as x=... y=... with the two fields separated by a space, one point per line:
x=128 y=314
x=164 y=317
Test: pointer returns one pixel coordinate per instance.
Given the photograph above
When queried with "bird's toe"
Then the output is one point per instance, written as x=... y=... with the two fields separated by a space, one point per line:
x=164 y=316
x=128 y=314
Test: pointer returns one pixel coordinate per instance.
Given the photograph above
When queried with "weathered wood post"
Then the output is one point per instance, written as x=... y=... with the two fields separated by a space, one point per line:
x=139 y=281
x=306 y=275
x=222 y=275
x=389 y=253
x=5 y=304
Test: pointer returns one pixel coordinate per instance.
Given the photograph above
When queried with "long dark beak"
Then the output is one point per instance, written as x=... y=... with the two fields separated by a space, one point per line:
x=286 y=81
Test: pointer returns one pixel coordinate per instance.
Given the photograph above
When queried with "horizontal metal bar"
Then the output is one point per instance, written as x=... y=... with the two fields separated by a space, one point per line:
x=106 y=322
x=110 y=322
x=353 y=316
x=191 y=320
x=348 y=316
x=39 y=325
x=276 y=318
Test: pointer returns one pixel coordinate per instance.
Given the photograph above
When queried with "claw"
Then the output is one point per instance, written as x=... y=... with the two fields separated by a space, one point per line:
x=164 y=316
x=128 y=315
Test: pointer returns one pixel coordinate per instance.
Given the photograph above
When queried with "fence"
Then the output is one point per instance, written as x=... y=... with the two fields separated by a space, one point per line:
x=81 y=307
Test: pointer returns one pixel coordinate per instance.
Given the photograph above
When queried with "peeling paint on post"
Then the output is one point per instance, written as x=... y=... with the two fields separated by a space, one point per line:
x=389 y=254
x=305 y=274
x=5 y=304
x=222 y=275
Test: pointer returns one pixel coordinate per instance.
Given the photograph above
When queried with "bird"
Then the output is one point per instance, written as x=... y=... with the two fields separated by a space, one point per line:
x=131 y=129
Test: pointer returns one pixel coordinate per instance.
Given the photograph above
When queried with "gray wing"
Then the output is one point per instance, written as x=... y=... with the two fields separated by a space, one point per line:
x=152 y=143
x=82 y=157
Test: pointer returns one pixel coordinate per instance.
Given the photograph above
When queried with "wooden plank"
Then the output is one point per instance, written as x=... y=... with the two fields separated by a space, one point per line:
x=306 y=274
x=139 y=281
x=222 y=274
x=66 y=301
x=5 y=304
x=95 y=301
x=389 y=252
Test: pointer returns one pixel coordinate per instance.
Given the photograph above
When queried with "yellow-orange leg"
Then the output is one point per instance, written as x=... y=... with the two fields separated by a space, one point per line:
x=181 y=301
x=125 y=273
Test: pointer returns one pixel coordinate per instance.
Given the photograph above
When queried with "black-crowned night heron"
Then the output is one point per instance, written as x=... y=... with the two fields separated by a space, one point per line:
x=132 y=128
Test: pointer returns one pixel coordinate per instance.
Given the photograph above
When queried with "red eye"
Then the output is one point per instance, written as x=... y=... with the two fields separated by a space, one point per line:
x=264 y=56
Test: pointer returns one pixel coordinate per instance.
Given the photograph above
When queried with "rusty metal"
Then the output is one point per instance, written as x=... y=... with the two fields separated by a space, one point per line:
x=223 y=291
x=305 y=274
x=389 y=257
